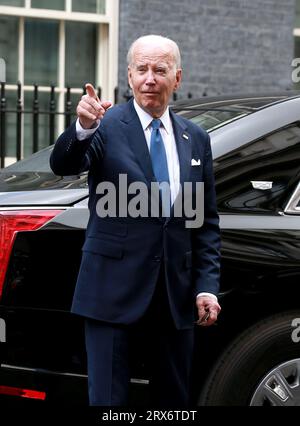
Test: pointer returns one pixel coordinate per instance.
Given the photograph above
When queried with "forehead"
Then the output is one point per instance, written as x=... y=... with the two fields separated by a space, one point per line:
x=146 y=52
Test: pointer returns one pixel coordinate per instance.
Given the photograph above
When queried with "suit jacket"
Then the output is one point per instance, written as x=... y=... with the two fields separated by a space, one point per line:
x=121 y=256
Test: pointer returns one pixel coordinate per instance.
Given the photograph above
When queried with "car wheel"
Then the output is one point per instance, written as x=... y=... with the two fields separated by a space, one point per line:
x=260 y=367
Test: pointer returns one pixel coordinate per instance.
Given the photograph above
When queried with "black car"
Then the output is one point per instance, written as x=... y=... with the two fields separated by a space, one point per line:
x=252 y=356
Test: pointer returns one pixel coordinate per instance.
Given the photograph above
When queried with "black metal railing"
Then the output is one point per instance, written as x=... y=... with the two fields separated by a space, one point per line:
x=35 y=111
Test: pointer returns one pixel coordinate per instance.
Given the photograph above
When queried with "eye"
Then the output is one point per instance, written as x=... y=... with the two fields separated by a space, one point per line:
x=141 y=69
x=161 y=71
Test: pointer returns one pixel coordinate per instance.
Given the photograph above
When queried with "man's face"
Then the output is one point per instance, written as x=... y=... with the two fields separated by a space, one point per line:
x=153 y=77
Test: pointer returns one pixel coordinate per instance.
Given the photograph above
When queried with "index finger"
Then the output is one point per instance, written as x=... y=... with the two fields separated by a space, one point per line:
x=91 y=91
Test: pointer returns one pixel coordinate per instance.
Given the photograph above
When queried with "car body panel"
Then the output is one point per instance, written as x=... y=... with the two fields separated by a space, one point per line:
x=59 y=197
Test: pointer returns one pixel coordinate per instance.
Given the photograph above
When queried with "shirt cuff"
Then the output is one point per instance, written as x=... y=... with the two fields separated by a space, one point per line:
x=82 y=133
x=208 y=295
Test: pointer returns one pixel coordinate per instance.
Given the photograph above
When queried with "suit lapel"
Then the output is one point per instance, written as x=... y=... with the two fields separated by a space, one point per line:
x=136 y=139
x=184 y=150
x=184 y=147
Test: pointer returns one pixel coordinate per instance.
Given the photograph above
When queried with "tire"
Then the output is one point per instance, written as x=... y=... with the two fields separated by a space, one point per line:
x=245 y=367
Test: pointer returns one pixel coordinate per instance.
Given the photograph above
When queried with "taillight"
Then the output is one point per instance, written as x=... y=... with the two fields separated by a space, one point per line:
x=12 y=222
x=23 y=393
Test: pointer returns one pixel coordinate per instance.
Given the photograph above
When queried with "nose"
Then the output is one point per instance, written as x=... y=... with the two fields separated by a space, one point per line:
x=150 y=78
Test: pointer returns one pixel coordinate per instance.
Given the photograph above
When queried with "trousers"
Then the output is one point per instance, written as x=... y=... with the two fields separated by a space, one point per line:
x=169 y=352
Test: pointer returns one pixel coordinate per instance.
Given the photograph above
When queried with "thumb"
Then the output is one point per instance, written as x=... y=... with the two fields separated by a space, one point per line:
x=91 y=91
x=106 y=104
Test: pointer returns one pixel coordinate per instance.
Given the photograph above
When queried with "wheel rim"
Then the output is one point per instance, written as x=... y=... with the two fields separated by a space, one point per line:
x=280 y=387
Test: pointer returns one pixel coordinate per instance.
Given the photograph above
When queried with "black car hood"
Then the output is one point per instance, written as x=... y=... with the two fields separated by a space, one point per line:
x=35 y=188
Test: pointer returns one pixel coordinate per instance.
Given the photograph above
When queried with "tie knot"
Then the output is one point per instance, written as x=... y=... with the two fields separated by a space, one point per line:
x=155 y=124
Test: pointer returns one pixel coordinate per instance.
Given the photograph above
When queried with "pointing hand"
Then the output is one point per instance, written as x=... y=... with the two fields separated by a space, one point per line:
x=90 y=108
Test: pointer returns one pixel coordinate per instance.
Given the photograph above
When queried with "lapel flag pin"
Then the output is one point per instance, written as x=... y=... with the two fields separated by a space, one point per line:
x=185 y=136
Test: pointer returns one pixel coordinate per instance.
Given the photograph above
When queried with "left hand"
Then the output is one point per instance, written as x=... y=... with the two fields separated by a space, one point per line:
x=208 y=310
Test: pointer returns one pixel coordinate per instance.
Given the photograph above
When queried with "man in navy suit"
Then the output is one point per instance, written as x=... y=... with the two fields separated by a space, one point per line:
x=139 y=267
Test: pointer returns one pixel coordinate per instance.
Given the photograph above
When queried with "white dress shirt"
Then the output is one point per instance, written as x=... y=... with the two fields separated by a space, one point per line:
x=166 y=131
x=168 y=137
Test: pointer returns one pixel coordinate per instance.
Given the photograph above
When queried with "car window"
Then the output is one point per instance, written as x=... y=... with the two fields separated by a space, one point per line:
x=214 y=118
x=215 y=113
x=261 y=175
x=38 y=162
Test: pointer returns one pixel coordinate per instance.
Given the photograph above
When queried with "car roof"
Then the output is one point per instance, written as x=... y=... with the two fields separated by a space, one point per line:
x=215 y=112
x=248 y=102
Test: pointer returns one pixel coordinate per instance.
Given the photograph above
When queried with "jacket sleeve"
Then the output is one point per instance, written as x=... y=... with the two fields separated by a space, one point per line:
x=206 y=239
x=71 y=156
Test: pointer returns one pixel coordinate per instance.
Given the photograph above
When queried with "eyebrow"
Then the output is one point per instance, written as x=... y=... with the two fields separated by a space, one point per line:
x=159 y=65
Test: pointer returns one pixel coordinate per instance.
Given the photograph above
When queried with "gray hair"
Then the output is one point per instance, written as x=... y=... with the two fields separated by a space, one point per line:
x=160 y=39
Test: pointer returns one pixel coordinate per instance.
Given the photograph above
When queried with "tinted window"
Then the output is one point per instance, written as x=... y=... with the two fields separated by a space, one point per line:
x=274 y=160
x=214 y=118
x=215 y=113
x=38 y=162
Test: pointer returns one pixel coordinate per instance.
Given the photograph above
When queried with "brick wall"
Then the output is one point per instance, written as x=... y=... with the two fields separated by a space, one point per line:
x=227 y=46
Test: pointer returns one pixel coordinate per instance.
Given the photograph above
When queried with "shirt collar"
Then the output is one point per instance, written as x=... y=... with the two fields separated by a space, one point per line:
x=146 y=118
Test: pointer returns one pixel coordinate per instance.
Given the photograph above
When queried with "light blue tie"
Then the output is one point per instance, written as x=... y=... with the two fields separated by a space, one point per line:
x=158 y=153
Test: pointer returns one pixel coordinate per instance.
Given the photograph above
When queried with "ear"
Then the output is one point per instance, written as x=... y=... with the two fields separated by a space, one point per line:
x=178 y=79
x=129 y=76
